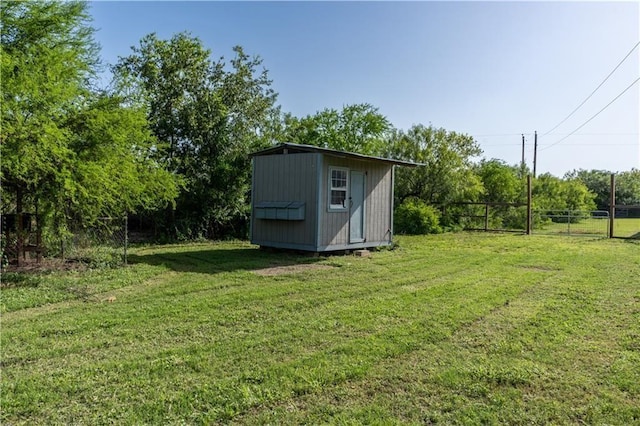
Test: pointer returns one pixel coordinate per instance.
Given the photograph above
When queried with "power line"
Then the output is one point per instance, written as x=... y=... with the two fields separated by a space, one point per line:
x=594 y=91
x=594 y=116
x=609 y=135
x=560 y=134
x=501 y=134
x=567 y=144
x=597 y=134
x=597 y=144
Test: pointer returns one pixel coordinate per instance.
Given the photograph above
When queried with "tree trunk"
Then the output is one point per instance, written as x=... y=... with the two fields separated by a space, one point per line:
x=19 y=227
x=38 y=235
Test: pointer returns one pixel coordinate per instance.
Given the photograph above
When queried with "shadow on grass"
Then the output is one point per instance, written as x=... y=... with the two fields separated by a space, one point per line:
x=632 y=237
x=214 y=261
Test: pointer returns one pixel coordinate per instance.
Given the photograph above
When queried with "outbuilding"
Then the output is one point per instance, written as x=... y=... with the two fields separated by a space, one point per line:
x=317 y=199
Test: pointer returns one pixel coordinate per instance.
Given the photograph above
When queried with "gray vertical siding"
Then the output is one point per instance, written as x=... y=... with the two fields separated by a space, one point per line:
x=380 y=213
x=288 y=177
x=305 y=177
x=335 y=225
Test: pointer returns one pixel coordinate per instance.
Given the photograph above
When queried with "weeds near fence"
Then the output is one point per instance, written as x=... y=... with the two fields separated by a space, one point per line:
x=102 y=245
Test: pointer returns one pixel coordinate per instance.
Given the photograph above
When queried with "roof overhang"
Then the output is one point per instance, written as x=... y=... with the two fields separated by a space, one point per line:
x=294 y=148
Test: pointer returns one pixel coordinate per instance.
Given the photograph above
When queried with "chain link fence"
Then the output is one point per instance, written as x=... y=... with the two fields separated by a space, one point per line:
x=571 y=222
x=102 y=245
x=626 y=223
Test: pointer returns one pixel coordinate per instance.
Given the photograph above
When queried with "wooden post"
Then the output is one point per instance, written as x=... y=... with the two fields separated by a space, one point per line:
x=19 y=228
x=522 y=162
x=38 y=236
x=528 y=204
x=535 y=152
x=126 y=236
x=486 y=217
x=612 y=204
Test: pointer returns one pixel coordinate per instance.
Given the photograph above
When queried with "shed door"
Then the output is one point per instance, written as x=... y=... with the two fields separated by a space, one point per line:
x=356 y=204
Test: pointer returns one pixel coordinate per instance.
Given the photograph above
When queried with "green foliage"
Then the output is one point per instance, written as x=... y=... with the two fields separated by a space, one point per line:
x=357 y=128
x=628 y=187
x=447 y=175
x=599 y=183
x=68 y=150
x=551 y=193
x=210 y=116
x=501 y=183
x=513 y=218
x=98 y=257
x=116 y=171
x=48 y=56
x=416 y=217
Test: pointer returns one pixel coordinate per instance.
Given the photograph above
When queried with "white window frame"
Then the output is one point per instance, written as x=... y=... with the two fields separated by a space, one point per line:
x=331 y=188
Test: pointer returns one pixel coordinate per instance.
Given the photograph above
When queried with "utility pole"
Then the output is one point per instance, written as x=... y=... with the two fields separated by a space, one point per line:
x=522 y=162
x=535 y=152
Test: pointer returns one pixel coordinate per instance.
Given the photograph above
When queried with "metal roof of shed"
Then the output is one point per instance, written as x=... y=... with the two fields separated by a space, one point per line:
x=294 y=148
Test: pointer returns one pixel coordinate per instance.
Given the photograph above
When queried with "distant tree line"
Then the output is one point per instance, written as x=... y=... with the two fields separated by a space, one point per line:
x=168 y=140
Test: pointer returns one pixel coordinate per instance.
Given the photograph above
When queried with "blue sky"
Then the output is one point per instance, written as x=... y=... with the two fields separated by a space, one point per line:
x=492 y=70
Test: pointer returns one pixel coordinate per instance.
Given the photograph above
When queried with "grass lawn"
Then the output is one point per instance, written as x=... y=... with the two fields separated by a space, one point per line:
x=456 y=328
x=627 y=227
x=593 y=227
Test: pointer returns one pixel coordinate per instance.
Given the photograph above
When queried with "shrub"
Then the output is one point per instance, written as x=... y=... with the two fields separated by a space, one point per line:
x=98 y=257
x=414 y=216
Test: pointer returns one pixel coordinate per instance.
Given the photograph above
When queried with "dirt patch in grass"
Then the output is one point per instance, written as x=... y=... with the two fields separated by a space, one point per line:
x=290 y=269
x=46 y=265
x=539 y=267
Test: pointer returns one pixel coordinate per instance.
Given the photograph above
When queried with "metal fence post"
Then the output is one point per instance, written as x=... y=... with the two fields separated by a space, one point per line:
x=528 y=204
x=126 y=237
x=612 y=204
x=486 y=217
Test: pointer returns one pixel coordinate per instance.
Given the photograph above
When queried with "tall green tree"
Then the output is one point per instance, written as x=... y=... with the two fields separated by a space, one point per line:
x=447 y=175
x=210 y=115
x=68 y=150
x=501 y=183
x=628 y=187
x=599 y=183
x=115 y=171
x=48 y=56
x=553 y=194
x=357 y=128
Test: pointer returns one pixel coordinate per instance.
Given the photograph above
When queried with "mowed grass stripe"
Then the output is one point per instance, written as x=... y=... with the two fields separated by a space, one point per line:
x=390 y=334
x=466 y=378
x=270 y=353
x=232 y=300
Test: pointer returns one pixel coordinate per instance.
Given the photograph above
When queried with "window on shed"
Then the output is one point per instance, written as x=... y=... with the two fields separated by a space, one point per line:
x=338 y=188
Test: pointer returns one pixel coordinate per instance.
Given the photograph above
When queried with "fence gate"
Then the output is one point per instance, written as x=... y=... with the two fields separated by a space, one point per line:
x=626 y=221
x=571 y=222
